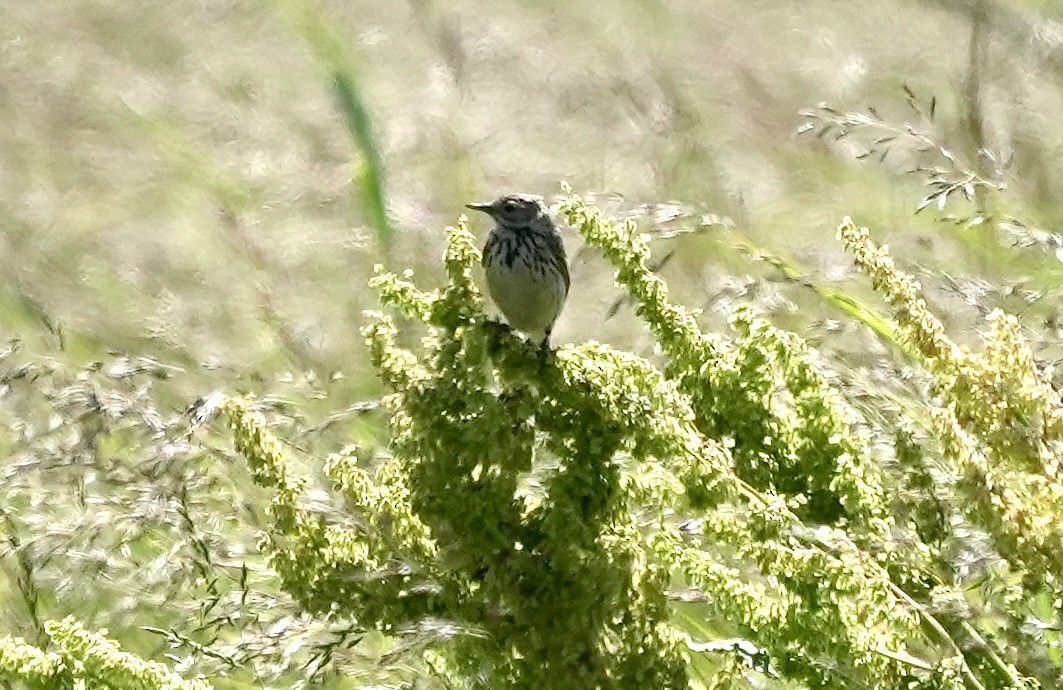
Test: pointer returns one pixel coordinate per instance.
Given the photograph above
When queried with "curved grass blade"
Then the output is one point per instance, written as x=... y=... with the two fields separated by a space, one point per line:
x=333 y=56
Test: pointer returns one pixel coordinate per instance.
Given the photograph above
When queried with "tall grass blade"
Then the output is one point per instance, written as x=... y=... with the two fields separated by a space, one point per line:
x=333 y=56
x=369 y=175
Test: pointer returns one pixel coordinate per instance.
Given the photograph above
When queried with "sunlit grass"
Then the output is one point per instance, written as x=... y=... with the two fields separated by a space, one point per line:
x=206 y=187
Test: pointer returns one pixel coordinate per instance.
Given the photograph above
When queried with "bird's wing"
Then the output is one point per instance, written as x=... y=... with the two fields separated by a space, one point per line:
x=557 y=248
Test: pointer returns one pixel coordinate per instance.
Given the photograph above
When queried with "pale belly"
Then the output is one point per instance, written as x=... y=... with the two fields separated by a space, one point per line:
x=530 y=301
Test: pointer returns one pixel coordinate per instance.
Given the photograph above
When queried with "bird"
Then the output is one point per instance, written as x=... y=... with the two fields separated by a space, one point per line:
x=525 y=263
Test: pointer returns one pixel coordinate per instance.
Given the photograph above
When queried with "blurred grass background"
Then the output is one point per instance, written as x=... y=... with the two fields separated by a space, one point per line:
x=180 y=180
x=204 y=187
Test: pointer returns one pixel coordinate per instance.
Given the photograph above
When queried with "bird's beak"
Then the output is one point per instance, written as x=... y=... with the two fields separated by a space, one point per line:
x=480 y=206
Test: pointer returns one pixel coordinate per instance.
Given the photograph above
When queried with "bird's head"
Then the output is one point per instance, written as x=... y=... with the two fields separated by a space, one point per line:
x=514 y=210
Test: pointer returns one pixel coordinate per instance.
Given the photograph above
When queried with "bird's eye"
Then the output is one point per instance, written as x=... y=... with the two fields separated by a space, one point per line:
x=510 y=207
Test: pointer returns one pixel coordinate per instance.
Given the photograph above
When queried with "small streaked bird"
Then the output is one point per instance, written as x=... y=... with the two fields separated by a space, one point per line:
x=524 y=258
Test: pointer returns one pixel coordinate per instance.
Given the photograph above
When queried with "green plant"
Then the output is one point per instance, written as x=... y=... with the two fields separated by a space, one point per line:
x=83 y=660
x=547 y=512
